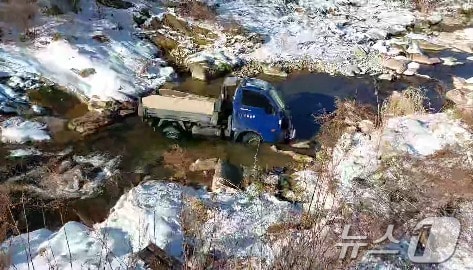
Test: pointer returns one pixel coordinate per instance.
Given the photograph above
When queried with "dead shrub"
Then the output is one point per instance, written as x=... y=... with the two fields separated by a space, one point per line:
x=425 y=6
x=193 y=216
x=334 y=124
x=197 y=10
x=409 y=101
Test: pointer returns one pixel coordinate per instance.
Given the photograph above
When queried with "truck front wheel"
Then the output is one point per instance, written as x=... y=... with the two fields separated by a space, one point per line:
x=252 y=139
x=172 y=132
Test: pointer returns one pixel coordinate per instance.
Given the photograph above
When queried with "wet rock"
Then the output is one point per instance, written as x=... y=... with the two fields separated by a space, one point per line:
x=273 y=71
x=301 y=145
x=61 y=175
x=460 y=39
x=91 y=122
x=386 y=77
x=200 y=71
x=461 y=97
x=227 y=178
x=461 y=83
x=451 y=61
x=397 y=65
x=119 y=4
x=412 y=68
x=424 y=59
x=354 y=70
x=203 y=165
x=297 y=157
x=414 y=48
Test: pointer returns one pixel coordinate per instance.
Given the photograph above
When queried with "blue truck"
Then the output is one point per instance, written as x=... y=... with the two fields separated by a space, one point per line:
x=247 y=110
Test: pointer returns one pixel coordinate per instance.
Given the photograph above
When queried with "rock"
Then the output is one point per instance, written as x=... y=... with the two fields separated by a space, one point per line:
x=414 y=48
x=273 y=71
x=376 y=34
x=424 y=59
x=54 y=124
x=366 y=126
x=199 y=71
x=386 y=77
x=95 y=104
x=397 y=65
x=460 y=39
x=119 y=4
x=461 y=97
x=203 y=165
x=91 y=122
x=461 y=83
x=451 y=61
x=412 y=68
x=354 y=70
x=227 y=178
x=434 y=19
x=297 y=157
x=271 y=179
x=301 y=145
x=425 y=45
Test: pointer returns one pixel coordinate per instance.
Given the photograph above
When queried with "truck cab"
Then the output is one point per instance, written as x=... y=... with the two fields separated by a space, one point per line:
x=260 y=113
x=248 y=110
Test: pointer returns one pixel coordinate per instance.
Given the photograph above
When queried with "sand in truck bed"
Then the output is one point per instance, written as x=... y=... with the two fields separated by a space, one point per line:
x=188 y=103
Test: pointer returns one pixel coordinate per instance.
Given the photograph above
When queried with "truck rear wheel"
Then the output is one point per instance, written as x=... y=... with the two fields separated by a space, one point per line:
x=251 y=139
x=172 y=132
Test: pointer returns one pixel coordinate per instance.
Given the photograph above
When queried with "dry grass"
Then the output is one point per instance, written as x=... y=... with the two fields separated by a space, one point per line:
x=193 y=216
x=410 y=101
x=197 y=10
x=425 y=6
x=347 y=113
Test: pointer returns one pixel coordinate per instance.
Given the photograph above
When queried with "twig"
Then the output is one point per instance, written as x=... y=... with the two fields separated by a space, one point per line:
x=67 y=240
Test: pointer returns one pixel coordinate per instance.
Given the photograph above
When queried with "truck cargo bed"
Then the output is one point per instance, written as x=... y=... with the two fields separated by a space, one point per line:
x=171 y=104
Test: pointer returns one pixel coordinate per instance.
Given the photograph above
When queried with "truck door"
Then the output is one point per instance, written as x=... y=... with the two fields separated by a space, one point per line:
x=256 y=113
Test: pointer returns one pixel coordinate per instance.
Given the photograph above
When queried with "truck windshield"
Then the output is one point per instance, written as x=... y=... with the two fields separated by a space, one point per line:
x=276 y=95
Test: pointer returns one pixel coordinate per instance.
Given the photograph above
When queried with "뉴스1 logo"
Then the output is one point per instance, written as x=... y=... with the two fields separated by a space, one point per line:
x=437 y=235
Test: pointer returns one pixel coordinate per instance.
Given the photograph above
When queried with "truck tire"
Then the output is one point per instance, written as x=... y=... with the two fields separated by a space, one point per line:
x=172 y=132
x=251 y=139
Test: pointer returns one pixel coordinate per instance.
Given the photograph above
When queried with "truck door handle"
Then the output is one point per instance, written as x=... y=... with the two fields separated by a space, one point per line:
x=243 y=109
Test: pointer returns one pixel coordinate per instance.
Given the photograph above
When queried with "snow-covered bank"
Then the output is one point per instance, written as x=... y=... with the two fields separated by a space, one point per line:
x=360 y=155
x=151 y=212
x=328 y=32
x=97 y=53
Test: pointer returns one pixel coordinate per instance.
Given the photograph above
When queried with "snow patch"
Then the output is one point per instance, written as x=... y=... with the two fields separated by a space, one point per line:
x=97 y=38
x=358 y=154
x=19 y=130
x=151 y=212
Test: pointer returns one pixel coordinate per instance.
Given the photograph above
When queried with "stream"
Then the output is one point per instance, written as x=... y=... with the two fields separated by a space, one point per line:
x=142 y=149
